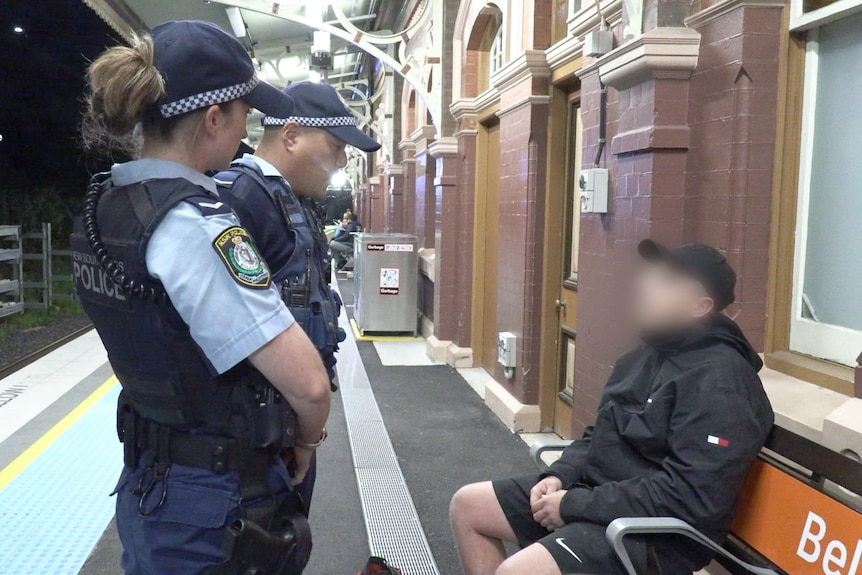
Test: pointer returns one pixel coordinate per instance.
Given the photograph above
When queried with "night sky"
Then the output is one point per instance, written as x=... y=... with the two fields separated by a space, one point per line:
x=41 y=89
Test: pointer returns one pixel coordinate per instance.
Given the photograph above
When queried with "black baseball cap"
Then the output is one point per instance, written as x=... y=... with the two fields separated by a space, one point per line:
x=318 y=105
x=699 y=261
x=203 y=65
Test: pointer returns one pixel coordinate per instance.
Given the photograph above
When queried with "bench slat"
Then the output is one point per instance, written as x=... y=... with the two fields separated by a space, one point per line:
x=821 y=461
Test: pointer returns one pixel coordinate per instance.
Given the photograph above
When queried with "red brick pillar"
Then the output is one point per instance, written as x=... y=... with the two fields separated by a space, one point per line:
x=523 y=153
x=362 y=202
x=648 y=139
x=730 y=161
x=385 y=205
x=373 y=207
x=426 y=203
x=394 y=176
x=453 y=252
x=408 y=179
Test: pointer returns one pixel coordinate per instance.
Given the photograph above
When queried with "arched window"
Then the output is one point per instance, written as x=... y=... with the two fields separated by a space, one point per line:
x=484 y=55
x=495 y=53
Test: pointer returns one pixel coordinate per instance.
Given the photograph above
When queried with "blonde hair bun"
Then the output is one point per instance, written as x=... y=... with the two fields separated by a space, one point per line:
x=124 y=83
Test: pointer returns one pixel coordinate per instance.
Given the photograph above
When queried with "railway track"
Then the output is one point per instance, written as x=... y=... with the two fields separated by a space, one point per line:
x=40 y=353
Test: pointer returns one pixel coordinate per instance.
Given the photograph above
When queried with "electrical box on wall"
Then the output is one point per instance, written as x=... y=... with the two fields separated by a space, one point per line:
x=507 y=349
x=594 y=191
x=598 y=43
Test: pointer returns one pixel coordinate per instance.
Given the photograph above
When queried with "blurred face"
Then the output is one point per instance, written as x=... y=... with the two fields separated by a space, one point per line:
x=344 y=222
x=666 y=300
x=315 y=156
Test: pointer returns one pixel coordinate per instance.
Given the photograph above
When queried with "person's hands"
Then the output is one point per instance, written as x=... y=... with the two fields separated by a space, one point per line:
x=544 y=487
x=546 y=511
x=302 y=457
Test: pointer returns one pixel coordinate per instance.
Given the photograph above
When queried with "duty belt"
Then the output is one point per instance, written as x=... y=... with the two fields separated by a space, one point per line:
x=215 y=453
x=273 y=530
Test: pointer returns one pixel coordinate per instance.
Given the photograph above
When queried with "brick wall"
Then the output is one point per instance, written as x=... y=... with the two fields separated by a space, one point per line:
x=425 y=195
x=523 y=137
x=395 y=178
x=408 y=203
x=730 y=163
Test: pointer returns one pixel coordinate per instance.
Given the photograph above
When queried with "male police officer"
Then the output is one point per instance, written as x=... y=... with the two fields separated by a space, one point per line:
x=305 y=149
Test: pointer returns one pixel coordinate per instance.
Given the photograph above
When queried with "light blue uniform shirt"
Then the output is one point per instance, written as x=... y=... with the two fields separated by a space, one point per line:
x=266 y=168
x=228 y=321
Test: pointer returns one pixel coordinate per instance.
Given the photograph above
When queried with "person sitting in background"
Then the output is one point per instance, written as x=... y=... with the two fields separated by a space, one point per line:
x=682 y=418
x=341 y=245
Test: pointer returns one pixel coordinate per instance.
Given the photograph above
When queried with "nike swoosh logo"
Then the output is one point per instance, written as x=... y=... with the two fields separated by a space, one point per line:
x=562 y=543
x=214 y=206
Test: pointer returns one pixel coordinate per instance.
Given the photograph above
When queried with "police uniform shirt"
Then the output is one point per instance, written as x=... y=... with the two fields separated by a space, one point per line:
x=266 y=168
x=261 y=216
x=229 y=321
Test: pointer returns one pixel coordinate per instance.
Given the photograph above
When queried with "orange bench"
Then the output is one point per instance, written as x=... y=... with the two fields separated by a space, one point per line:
x=800 y=513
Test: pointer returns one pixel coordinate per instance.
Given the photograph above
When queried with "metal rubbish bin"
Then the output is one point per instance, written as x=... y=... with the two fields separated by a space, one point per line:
x=386 y=268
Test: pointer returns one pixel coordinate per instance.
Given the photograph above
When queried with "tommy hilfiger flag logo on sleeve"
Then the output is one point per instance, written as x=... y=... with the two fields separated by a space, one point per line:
x=716 y=440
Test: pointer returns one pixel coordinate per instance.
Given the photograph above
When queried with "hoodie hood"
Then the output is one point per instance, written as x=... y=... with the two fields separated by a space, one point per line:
x=725 y=330
x=718 y=330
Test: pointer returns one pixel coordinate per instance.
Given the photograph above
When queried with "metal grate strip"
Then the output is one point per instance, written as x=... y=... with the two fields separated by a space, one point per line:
x=394 y=529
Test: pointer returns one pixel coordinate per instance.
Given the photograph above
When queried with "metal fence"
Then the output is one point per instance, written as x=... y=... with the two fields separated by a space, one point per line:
x=46 y=254
x=11 y=271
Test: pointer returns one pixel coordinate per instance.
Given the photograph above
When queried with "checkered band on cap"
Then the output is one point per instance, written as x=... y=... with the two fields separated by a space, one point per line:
x=335 y=122
x=211 y=98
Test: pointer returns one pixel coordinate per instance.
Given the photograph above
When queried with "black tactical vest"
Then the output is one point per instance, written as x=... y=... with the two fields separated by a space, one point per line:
x=165 y=377
x=302 y=280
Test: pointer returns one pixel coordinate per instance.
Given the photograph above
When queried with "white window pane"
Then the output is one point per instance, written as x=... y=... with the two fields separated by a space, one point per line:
x=833 y=254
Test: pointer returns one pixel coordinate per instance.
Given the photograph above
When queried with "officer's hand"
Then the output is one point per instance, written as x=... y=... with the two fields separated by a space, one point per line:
x=546 y=511
x=546 y=486
x=302 y=457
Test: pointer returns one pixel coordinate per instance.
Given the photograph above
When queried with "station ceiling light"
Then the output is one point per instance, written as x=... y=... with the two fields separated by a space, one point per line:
x=18 y=29
x=339 y=179
x=237 y=23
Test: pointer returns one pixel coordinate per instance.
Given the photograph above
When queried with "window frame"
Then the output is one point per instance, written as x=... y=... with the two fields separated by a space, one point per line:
x=574 y=159
x=801 y=20
x=495 y=52
x=819 y=340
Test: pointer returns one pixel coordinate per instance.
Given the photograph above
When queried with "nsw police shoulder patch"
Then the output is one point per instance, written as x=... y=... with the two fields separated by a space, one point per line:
x=243 y=261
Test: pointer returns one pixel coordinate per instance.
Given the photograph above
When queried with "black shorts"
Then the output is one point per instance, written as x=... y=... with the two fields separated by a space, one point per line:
x=581 y=547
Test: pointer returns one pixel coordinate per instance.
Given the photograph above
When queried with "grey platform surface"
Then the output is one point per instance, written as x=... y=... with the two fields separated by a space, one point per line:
x=444 y=437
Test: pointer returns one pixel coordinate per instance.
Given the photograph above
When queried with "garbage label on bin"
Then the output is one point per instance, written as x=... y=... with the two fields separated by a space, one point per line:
x=389 y=247
x=398 y=248
x=390 y=281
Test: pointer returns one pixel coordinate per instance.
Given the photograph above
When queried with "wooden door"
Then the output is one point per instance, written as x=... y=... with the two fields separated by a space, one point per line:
x=489 y=220
x=567 y=301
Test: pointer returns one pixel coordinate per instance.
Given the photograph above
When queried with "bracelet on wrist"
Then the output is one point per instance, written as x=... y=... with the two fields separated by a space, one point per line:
x=306 y=445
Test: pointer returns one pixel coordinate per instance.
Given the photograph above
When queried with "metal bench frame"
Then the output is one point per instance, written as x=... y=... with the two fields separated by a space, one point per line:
x=620 y=528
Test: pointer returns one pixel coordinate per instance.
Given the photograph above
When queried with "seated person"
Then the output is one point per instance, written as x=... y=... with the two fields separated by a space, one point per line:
x=341 y=245
x=681 y=419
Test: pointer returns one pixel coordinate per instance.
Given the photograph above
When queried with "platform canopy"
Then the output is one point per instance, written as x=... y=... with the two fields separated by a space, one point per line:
x=282 y=48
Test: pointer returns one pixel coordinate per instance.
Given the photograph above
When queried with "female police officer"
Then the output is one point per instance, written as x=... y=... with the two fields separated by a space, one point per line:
x=210 y=360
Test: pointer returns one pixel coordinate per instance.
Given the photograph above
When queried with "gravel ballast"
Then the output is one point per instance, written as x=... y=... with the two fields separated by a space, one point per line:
x=14 y=346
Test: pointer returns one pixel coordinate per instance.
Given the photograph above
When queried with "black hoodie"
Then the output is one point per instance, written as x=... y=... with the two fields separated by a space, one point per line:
x=678 y=426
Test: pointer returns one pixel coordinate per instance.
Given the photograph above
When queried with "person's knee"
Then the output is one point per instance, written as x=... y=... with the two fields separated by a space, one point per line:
x=459 y=502
x=463 y=503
